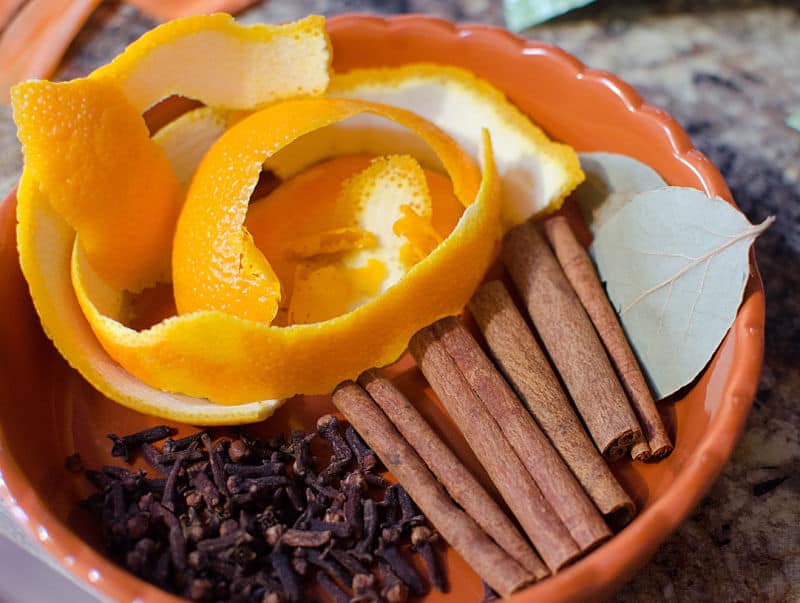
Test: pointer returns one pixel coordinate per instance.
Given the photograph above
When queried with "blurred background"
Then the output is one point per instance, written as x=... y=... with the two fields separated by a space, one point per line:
x=728 y=71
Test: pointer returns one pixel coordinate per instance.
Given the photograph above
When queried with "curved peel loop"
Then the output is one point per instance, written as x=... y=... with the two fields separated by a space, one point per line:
x=215 y=264
x=253 y=65
x=47 y=240
x=107 y=166
x=537 y=174
x=233 y=360
x=101 y=176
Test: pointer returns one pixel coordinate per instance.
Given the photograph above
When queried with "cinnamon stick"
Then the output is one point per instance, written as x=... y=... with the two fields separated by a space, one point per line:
x=571 y=341
x=527 y=369
x=580 y=271
x=450 y=471
x=535 y=515
x=493 y=564
x=557 y=483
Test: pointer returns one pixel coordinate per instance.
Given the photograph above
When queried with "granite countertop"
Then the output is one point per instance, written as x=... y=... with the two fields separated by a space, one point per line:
x=728 y=71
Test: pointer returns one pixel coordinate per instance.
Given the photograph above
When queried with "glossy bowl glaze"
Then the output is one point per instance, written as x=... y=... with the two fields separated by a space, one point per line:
x=49 y=412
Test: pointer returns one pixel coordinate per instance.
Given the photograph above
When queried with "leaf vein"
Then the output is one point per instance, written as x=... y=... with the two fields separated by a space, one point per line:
x=749 y=233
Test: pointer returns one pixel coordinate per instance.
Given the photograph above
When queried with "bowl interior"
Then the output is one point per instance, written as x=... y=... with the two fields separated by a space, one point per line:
x=49 y=412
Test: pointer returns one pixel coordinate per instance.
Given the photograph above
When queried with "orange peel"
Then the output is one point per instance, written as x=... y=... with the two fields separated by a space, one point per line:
x=89 y=179
x=221 y=346
x=45 y=243
x=253 y=64
x=186 y=139
x=536 y=173
x=216 y=265
x=106 y=167
x=303 y=219
x=232 y=359
x=379 y=200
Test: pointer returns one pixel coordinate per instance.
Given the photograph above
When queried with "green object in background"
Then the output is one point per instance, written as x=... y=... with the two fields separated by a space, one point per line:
x=521 y=14
x=793 y=121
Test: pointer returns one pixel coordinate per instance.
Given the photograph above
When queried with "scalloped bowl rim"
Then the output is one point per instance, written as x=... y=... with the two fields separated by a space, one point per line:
x=616 y=561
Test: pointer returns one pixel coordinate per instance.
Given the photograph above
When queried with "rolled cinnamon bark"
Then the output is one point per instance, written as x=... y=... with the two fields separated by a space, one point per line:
x=582 y=275
x=571 y=341
x=526 y=367
x=535 y=515
x=557 y=483
x=491 y=563
x=450 y=471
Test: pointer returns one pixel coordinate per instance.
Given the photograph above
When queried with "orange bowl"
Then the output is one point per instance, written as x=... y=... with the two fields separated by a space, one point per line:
x=49 y=412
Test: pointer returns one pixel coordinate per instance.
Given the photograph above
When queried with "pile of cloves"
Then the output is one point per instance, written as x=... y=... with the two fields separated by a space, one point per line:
x=234 y=518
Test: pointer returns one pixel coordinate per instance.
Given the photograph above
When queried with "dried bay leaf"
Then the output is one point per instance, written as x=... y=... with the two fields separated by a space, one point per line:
x=611 y=181
x=675 y=264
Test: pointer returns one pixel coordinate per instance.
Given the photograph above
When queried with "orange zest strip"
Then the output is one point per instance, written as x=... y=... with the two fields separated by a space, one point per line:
x=32 y=45
x=96 y=186
x=232 y=360
x=215 y=265
x=537 y=173
x=89 y=181
x=45 y=241
x=164 y=10
x=253 y=65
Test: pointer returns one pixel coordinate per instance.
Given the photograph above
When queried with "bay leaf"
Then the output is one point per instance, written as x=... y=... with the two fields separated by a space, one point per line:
x=675 y=263
x=611 y=181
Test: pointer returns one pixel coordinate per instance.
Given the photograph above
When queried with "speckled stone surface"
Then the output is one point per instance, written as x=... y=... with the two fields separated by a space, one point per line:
x=729 y=72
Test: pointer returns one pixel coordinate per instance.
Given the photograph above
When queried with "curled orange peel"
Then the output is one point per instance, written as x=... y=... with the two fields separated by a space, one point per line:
x=93 y=174
x=231 y=359
x=104 y=169
x=45 y=243
x=379 y=200
x=106 y=165
x=253 y=65
x=222 y=346
x=186 y=139
x=216 y=265
x=537 y=173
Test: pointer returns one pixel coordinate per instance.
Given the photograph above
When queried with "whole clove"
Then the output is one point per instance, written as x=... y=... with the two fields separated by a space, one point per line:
x=182 y=443
x=305 y=538
x=262 y=470
x=422 y=540
x=329 y=566
x=215 y=461
x=369 y=530
x=125 y=444
x=365 y=457
x=232 y=539
x=246 y=520
x=153 y=458
x=289 y=580
x=328 y=429
x=394 y=590
x=237 y=451
x=208 y=490
x=170 y=488
x=403 y=569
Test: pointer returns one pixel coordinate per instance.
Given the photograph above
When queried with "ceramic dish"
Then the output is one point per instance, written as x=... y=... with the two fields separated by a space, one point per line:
x=48 y=412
